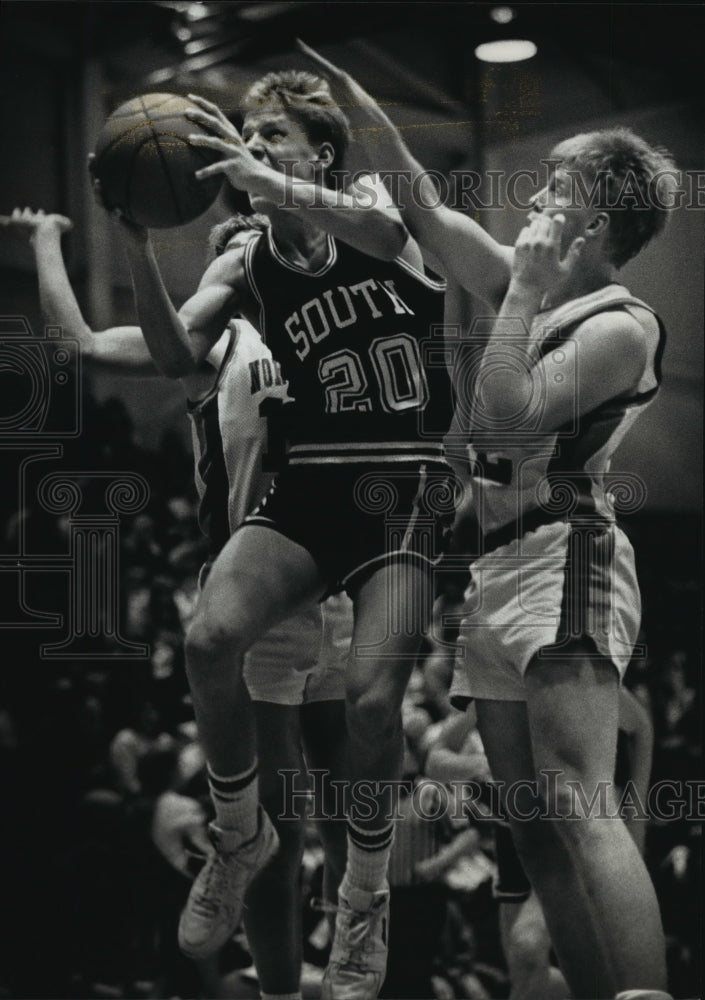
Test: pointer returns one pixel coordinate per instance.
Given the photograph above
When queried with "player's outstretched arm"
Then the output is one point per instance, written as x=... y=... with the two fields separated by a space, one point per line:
x=122 y=348
x=463 y=249
x=359 y=216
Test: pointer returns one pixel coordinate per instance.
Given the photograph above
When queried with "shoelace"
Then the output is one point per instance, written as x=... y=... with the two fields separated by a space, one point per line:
x=215 y=882
x=209 y=901
x=357 y=931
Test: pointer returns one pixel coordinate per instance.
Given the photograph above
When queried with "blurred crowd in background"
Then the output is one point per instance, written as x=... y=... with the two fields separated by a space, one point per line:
x=97 y=755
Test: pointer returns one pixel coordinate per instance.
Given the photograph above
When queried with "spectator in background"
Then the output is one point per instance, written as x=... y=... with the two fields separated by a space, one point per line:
x=131 y=744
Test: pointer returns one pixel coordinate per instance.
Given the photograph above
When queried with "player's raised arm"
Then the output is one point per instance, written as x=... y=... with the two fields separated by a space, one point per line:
x=604 y=356
x=464 y=250
x=119 y=348
x=179 y=341
x=360 y=216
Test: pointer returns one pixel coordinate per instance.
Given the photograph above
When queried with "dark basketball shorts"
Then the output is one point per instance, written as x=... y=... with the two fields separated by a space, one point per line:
x=355 y=518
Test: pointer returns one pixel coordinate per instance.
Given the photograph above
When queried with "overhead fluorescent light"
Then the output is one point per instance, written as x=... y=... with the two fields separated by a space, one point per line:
x=507 y=50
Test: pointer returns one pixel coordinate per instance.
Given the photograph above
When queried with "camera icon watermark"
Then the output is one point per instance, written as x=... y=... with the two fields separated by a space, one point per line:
x=536 y=367
x=42 y=400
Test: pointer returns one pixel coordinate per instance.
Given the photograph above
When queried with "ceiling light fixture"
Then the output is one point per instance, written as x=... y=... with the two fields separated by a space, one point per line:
x=503 y=15
x=506 y=50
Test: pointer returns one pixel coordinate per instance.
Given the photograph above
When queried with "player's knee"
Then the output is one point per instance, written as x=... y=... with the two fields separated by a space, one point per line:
x=574 y=796
x=206 y=642
x=371 y=714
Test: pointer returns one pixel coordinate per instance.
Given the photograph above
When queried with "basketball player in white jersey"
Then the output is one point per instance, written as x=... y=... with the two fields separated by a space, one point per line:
x=295 y=674
x=553 y=607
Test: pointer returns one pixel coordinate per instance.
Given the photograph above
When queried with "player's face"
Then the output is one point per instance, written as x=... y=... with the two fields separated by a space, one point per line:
x=563 y=194
x=278 y=140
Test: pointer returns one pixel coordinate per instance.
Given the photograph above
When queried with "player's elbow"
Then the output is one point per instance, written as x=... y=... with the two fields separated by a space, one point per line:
x=393 y=237
x=508 y=391
x=493 y=411
x=497 y=410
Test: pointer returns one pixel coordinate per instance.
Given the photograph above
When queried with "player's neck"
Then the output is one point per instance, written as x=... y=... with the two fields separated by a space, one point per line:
x=590 y=277
x=300 y=243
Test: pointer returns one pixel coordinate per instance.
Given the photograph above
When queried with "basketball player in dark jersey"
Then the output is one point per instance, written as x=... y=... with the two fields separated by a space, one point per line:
x=357 y=507
x=295 y=674
x=553 y=605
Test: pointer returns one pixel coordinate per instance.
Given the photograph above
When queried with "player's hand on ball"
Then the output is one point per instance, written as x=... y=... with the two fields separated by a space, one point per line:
x=238 y=165
x=31 y=222
x=133 y=232
x=211 y=116
x=97 y=188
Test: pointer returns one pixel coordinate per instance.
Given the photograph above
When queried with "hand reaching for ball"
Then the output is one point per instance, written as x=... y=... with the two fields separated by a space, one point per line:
x=239 y=166
x=133 y=232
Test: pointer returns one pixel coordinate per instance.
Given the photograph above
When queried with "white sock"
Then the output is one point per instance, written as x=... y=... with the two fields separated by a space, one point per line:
x=236 y=798
x=368 y=856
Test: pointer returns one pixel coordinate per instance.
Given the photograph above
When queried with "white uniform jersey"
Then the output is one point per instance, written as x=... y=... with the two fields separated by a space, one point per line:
x=237 y=432
x=534 y=478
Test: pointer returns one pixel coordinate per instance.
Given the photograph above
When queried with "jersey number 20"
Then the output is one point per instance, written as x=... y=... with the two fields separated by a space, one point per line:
x=400 y=377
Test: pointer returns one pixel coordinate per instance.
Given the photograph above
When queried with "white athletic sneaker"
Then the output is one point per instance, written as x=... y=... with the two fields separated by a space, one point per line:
x=214 y=906
x=358 y=958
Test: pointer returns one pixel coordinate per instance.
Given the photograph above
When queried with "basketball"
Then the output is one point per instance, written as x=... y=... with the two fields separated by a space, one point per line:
x=146 y=166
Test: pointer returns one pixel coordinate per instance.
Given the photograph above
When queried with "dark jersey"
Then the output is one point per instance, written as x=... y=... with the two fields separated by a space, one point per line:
x=360 y=344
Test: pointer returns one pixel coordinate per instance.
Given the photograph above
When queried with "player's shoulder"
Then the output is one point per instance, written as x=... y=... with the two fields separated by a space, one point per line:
x=622 y=324
x=615 y=334
x=227 y=269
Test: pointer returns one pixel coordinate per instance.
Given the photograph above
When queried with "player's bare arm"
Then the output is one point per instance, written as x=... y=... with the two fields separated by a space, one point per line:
x=179 y=341
x=464 y=250
x=167 y=335
x=121 y=349
x=359 y=217
x=607 y=351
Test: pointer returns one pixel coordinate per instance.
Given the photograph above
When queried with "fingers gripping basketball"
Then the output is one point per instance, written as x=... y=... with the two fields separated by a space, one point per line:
x=146 y=165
